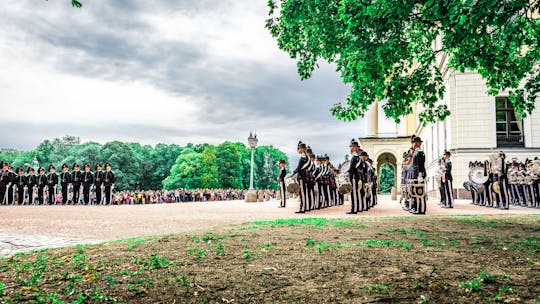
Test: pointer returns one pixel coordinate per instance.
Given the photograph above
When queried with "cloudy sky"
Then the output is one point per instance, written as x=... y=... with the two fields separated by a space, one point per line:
x=159 y=71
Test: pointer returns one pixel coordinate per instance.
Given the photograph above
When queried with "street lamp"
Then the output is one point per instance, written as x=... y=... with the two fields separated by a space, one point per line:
x=251 y=195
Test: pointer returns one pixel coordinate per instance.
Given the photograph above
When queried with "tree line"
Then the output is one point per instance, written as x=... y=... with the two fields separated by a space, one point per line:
x=162 y=166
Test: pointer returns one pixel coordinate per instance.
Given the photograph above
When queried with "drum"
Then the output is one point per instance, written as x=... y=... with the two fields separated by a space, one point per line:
x=344 y=169
x=496 y=187
x=479 y=188
x=343 y=183
x=476 y=175
x=291 y=184
x=535 y=166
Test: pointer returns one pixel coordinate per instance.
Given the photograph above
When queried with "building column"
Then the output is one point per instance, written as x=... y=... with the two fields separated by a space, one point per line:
x=401 y=128
x=372 y=120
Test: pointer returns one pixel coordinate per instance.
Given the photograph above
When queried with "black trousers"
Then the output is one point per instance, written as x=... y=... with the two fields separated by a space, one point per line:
x=448 y=194
x=40 y=195
x=11 y=195
x=98 y=194
x=3 y=192
x=76 y=193
x=108 y=190
x=20 y=198
x=303 y=195
x=355 y=196
x=86 y=195
x=282 y=193
x=310 y=196
x=64 y=194
x=503 y=196
x=52 y=195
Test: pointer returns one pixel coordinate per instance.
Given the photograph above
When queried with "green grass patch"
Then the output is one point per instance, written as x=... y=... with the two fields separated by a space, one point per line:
x=314 y=222
x=475 y=285
x=385 y=243
x=377 y=288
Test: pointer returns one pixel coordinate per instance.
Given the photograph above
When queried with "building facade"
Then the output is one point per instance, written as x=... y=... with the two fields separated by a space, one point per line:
x=479 y=125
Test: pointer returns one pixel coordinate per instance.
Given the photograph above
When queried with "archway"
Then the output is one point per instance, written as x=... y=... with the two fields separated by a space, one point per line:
x=386 y=172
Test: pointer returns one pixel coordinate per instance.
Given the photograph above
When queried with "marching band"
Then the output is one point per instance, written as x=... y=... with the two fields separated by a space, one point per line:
x=320 y=185
x=76 y=187
x=497 y=183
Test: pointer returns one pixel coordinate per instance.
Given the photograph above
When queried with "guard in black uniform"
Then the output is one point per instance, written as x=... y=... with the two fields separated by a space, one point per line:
x=282 y=189
x=98 y=183
x=108 y=181
x=87 y=182
x=76 y=180
x=52 y=182
x=373 y=177
x=310 y=180
x=65 y=181
x=4 y=183
x=31 y=183
x=300 y=171
x=418 y=171
x=354 y=177
x=20 y=182
x=363 y=170
x=448 y=192
x=11 y=189
x=41 y=183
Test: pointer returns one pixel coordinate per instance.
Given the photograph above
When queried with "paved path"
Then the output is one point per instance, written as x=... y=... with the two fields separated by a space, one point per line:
x=32 y=227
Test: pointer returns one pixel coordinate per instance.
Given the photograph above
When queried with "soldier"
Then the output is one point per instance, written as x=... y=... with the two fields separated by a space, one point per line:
x=20 y=183
x=488 y=192
x=282 y=189
x=363 y=170
x=319 y=172
x=373 y=176
x=87 y=182
x=76 y=179
x=448 y=192
x=65 y=181
x=502 y=197
x=32 y=186
x=300 y=171
x=354 y=177
x=41 y=183
x=418 y=171
x=310 y=180
x=98 y=183
x=11 y=190
x=108 y=181
x=4 y=183
x=52 y=182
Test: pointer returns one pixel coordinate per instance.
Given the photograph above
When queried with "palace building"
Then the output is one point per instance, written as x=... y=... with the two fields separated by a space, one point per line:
x=479 y=125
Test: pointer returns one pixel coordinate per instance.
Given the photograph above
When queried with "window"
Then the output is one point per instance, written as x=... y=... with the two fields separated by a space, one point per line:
x=509 y=125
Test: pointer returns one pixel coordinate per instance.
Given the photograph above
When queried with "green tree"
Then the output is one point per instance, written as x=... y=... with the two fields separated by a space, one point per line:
x=387 y=178
x=266 y=167
x=385 y=50
x=230 y=165
x=185 y=173
x=126 y=165
x=209 y=168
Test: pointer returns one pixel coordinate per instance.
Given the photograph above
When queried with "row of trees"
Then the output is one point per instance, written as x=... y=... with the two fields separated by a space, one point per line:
x=162 y=166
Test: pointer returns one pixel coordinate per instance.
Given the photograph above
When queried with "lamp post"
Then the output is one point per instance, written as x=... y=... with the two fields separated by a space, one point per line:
x=251 y=195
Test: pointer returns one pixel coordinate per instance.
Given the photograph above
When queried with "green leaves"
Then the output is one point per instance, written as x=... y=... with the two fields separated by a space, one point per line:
x=386 y=50
x=76 y=4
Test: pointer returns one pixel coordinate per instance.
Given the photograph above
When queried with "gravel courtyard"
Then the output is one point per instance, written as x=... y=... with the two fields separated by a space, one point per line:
x=24 y=228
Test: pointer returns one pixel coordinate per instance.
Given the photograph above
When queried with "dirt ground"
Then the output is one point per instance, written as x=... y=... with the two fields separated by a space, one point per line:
x=114 y=222
x=456 y=259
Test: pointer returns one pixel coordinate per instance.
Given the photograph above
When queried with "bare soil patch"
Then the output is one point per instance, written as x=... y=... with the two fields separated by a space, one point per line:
x=438 y=259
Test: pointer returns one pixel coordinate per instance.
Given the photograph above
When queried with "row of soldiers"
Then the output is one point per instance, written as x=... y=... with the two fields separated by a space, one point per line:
x=515 y=184
x=318 y=183
x=317 y=180
x=363 y=179
x=16 y=187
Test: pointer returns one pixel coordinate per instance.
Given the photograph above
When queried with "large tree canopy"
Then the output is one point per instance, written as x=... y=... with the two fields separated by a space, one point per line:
x=163 y=166
x=386 y=50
